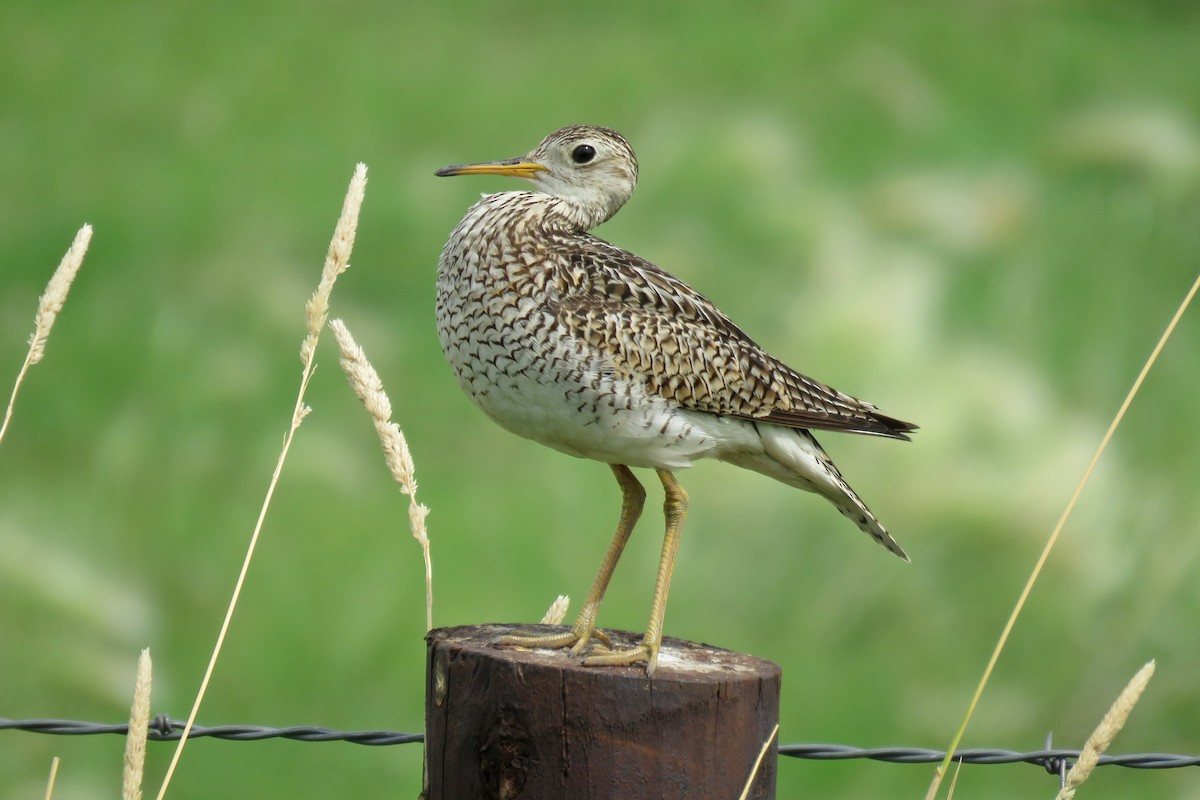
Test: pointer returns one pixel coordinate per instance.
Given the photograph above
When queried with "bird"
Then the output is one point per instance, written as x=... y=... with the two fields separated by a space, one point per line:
x=568 y=340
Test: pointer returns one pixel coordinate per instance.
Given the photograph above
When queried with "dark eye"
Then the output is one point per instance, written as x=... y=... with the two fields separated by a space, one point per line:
x=583 y=154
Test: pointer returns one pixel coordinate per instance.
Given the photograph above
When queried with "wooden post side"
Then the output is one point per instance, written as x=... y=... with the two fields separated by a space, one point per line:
x=506 y=723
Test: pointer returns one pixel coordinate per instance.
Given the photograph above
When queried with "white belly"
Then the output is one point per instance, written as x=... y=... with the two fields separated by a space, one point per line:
x=587 y=411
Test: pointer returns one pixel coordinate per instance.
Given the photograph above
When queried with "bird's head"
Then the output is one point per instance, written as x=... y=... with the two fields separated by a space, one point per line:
x=592 y=168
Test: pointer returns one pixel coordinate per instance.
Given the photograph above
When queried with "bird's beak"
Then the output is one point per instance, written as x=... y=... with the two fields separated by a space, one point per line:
x=513 y=167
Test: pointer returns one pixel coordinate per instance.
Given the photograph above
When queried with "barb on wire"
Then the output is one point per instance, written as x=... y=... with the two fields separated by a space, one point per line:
x=163 y=728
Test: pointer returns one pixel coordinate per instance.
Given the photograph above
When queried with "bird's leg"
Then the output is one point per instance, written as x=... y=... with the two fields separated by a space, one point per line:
x=675 y=510
x=633 y=497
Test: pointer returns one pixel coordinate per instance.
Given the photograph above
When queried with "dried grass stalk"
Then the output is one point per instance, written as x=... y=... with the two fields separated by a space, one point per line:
x=557 y=611
x=337 y=261
x=954 y=779
x=49 y=305
x=367 y=385
x=758 y=763
x=940 y=772
x=135 y=740
x=1106 y=731
x=53 y=775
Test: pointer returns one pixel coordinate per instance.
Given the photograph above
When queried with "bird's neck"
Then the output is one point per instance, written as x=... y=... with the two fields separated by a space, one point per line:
x=550 y=213
x=579 y=214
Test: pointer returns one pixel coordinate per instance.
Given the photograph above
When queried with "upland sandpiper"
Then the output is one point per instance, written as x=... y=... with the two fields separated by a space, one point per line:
x=563 y=338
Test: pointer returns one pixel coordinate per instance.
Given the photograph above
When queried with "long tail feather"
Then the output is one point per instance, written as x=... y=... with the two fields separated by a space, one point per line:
x=794 y=457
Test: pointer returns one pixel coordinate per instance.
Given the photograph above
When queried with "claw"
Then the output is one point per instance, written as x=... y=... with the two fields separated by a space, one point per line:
x=576 y=638
x=645 y=651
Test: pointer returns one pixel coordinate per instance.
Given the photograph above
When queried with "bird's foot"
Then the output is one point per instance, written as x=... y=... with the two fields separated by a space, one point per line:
x=576 y=638
x=646 y=650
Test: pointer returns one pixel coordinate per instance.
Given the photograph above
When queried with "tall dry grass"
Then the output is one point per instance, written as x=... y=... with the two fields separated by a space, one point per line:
x=337 y=261
x=49 y=306
x=367 y=385
x=1106 y=731
x=133 y=775
x=940 y=772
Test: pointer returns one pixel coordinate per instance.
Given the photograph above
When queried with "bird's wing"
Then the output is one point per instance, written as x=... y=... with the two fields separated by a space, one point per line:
x=658 y=329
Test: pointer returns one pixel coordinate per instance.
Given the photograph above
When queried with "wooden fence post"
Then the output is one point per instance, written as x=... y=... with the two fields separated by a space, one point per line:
x=506 y=723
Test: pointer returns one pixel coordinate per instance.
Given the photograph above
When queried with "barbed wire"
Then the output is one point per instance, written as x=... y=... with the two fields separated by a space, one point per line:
x=1050 y=759
x=163 y=728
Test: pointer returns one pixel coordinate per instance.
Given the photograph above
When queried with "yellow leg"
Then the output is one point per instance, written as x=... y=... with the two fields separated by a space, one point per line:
x=675 y=510
x=633 y=497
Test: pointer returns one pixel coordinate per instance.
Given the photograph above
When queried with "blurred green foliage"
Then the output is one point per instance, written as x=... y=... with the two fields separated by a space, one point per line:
x=978 y=215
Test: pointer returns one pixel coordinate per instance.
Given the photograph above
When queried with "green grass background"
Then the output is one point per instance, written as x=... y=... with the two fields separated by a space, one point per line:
x=978 y=215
